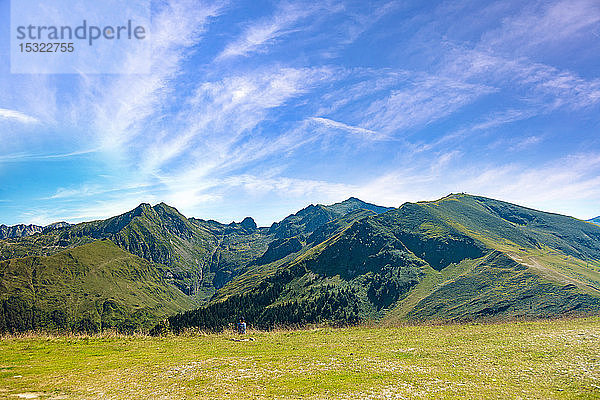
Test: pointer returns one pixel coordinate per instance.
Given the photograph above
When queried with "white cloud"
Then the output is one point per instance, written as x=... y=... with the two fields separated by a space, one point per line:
x=367 y=134
x=421 y=102
x=543 y=24
x=371 y=82
x=34 y=96
x=289 y=187
x=255 y=37
x=17 y=116
x=527 y=142
x=222 y=115
x=535 y=85
x=123 y=106
x=90 y=190
x=266 y=31
x=487 y=123
x=23 y=157
x=575 y=175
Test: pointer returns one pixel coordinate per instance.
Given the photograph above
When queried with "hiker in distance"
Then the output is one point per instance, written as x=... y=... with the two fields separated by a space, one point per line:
x=241 y=327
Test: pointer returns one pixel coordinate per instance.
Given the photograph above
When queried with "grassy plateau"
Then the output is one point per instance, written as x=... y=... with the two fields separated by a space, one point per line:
x=553 y=359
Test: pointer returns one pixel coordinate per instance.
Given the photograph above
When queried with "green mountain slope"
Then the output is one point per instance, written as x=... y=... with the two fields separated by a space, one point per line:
x=159 y=234
x=199 y=257
x=92 y=287
x=595 y=220
x=284 y=250
x=459 y=258
x=545 y=251
x=312 y=217
x=498 y=285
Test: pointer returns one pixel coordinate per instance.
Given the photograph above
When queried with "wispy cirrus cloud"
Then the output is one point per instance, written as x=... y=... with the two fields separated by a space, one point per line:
x=485 y=124
x=264 y=32
x=291 y=18
x=291 y=187
x=422 y=101
x=364 y=133
x=93 y=190
x=542 y=185
x=222 y=115
x=125 y=107
x=497 y=57
x=25 y=157
x=361 y=84
x=543 y=24
x=17 y=116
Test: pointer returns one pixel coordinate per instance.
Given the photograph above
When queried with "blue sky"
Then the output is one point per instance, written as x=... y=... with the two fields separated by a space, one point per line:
x=260 y=108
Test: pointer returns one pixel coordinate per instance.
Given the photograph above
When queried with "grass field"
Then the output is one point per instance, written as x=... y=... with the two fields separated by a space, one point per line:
x=542 y=360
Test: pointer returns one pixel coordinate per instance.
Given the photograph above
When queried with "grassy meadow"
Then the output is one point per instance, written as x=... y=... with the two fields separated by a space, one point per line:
x=557 y=359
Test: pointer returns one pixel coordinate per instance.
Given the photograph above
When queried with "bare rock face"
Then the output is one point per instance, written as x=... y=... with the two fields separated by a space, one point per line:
x=15 y=231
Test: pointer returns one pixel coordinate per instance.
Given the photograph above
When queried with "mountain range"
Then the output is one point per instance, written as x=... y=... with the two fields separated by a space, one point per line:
x=595 y=220
x=16 y=231
x=19 y=230
x=459 y=258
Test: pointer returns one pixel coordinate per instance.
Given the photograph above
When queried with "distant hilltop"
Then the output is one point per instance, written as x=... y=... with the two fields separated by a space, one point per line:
x=20 y=230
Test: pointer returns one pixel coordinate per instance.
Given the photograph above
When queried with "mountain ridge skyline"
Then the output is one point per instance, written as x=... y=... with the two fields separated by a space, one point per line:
x=208 y=218
x=353 y=259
